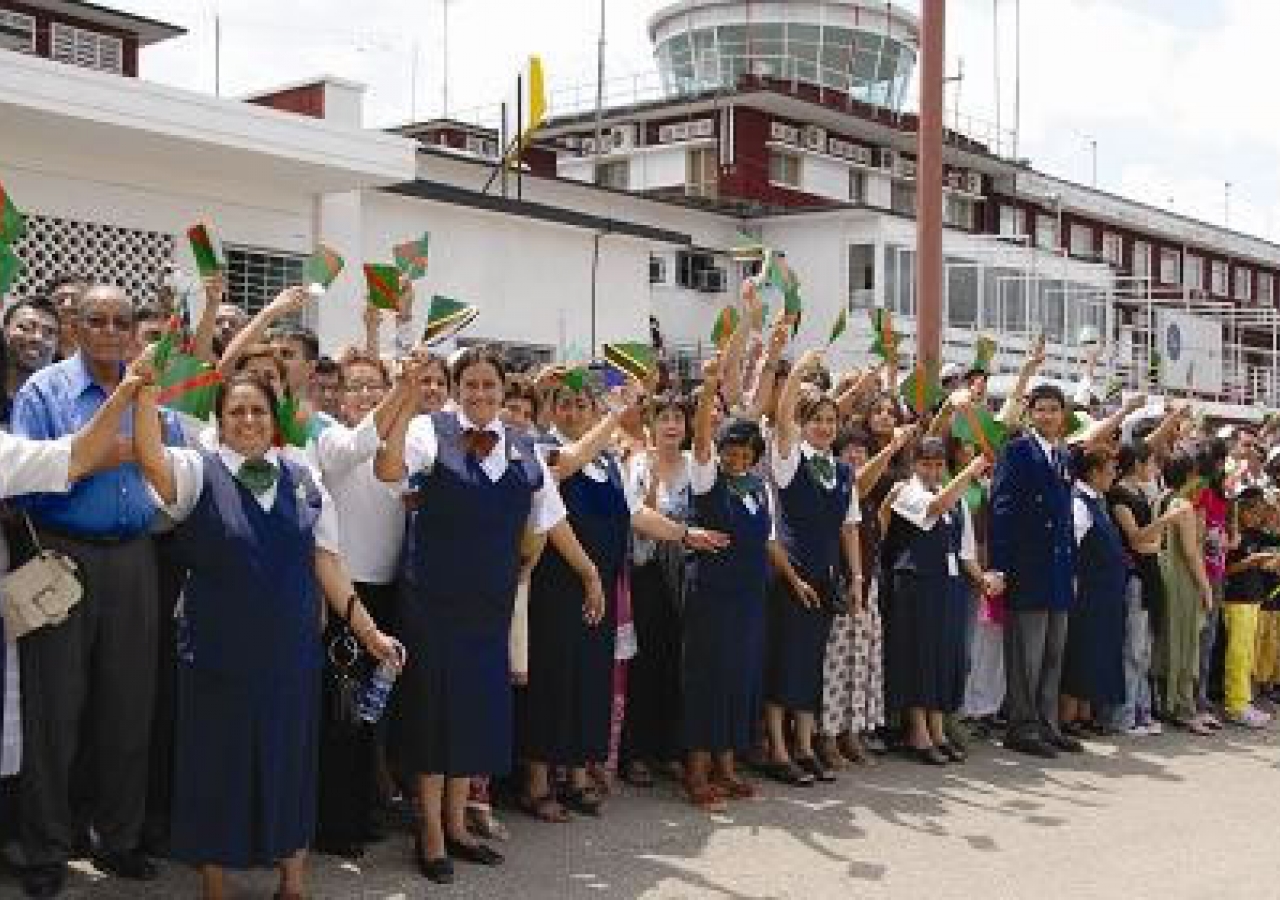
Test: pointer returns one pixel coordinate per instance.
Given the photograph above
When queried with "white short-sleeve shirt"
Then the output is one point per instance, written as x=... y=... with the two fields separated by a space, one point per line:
x=784 y=469
x=421 y=446
x=702 y=478
x=1081 y=517
x=188 y=476
x=912 y=503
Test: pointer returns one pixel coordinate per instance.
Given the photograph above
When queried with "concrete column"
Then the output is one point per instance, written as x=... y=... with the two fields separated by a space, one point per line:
x=929 y=182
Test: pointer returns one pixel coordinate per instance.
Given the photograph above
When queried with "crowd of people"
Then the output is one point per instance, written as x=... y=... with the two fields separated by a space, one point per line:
x=569 y=575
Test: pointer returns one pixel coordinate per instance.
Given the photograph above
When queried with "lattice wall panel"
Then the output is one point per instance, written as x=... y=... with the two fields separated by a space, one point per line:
x=131 y=259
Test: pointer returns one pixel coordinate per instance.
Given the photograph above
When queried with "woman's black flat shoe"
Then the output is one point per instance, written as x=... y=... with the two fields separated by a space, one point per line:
x=478 y=854
x=931 y=756
x=815 y=768
x=437 y=871
x=789 y=773
x=953 y=753
x=584 y=801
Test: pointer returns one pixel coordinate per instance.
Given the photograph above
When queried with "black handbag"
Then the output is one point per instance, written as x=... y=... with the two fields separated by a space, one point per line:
x=343 y=670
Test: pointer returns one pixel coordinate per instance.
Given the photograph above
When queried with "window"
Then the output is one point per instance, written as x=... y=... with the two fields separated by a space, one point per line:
x=1218 y=278
x=1081 y=240
x=1244 y=284
x=255 y=276
x=961 y=293
x=1266 y=288
x=903 y=198
x=1046 y=232
x=1113 y=248
x=657 y=269
x=1193 y=272
x=1141 y=259
x=614 y=174
x=701 y=173
x=698 y=271
x=1013 y=221
x=1170 y=266
x=957 y=212
x=87 y=48
x=17 y=32
x=862 y=276
x=784 y=169
x=857 y=186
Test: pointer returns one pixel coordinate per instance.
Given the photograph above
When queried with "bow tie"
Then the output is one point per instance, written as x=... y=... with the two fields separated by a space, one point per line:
x=479 y=442
x=258 y=475
x=823 y=467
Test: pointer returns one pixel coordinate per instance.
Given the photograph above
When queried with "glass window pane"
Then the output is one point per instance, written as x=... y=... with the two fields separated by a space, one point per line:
x=961 y=293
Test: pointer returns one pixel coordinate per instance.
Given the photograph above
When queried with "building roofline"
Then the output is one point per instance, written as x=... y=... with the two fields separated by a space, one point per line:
x=149 y=30
x=683 y=7
x=315 y=80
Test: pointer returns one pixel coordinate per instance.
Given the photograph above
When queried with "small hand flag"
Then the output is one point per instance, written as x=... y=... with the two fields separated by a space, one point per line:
x=746 y=249
x=922 y=390
x=208 y=259
x=10 y=268
x=320 y=269
x=292 y=433
x=726 y=324
x=384 y=285
x=447 y=317
x=411 y=257
x=979 y=427
x=885 y=343
x=984 y=351
x=13 y=224
x=633 y=359
x=842 y=322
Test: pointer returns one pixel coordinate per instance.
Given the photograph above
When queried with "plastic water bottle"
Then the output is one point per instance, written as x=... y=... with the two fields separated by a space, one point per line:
x=372 y=700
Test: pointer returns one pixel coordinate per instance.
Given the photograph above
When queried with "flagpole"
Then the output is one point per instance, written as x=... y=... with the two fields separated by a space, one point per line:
x=519 y=136
x=929 y=183
x=600 y=86
x=445 y=5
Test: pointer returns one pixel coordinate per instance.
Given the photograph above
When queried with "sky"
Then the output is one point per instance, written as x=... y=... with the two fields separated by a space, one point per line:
x=1175 y=93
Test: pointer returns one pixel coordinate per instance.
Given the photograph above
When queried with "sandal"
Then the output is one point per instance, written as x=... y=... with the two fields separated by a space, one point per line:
x=484 y=824
x=584 y=800
x=736 y=788
x=1196 y=727
x=706 y=797
x=637 y=774
x=788 y=773
x=544 y=809
x=811 y=765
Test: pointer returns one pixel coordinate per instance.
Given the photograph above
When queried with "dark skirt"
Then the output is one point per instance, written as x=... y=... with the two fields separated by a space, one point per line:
x=651 y=730
x=722 y=667
x=1093 y=665
x=451 y=708
x=795 y=645
x=926 y=654
x=348 y=753
x=569 y=700
x=244 y=787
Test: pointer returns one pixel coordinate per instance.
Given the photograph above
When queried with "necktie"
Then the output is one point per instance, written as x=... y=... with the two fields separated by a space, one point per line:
x=823 y=468
x=258 y=475
x=479 y=442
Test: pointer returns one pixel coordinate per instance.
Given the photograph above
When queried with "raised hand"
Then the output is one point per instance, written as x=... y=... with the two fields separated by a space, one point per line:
x=288 y=302
x=215 y=287
x=711 y=369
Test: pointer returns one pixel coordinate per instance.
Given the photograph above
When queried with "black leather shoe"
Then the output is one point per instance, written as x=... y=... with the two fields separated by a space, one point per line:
x=44 y=881
x=437 y=871
x=1065 y=743
x=479 y=854
x=930 y=756
x=128 y=864
x=953 y=752
x=1031 y=747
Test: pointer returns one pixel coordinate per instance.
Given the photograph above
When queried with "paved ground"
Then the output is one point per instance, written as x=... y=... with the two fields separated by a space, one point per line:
x=1167 y=817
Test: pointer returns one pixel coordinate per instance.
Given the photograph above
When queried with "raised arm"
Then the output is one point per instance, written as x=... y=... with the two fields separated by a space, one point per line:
x=1011 y=410
x=862 y=387
x=702 y=436
x=873 y=470
x=1106 y=429
x=779 y=335
x=388 y=463
x=372 y=330
x=148 y=446
x=1164 y=433
x=287 y=302
x=952 y=493
x=95 y=446
x=737 y=348
x=571 y=458
x=215 y=294
x=785 y=427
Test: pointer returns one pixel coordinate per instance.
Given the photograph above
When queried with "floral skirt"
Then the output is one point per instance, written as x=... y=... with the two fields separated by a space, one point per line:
x=853 y=672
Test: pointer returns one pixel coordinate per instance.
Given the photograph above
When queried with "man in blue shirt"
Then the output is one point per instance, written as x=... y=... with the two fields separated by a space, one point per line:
x=97 y=668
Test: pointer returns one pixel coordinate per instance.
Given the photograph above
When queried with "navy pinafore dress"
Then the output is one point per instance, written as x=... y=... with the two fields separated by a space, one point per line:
x=569 y=699
x=451 y=710
x=723 y=654
x=248 y=686
x=1093 y=667
x=810 y=517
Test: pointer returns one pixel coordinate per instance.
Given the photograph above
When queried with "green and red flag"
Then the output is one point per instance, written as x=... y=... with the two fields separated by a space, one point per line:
x=10 y=268
x=977 y=426
x=634 y=359
x=411 y=257
x=922 y=389
x=725 y=325
x=884 y=343
x=291 y=431
x=189 y=385
x=384 y=285
x=984 y=351
x=842 y=322
x=209 y=260
x=320 y=269
x=13 y=224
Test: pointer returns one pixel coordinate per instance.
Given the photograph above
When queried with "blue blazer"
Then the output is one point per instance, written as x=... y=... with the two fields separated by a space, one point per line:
x=1032 y=537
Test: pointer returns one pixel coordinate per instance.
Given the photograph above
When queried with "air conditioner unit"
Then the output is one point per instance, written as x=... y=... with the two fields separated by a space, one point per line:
x=861 y=155
x=815 y=138
x=623 y=137
x=778 y=131
x=588 y=145
x=711 y=281
x=573 y=142
x=973 y=182
x=657 y=270
x=679 y=131
x=837 y=147
x=703 y=128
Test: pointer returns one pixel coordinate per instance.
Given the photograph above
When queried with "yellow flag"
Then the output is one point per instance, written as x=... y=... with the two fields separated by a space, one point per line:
x=537 y=95
x=534 y=102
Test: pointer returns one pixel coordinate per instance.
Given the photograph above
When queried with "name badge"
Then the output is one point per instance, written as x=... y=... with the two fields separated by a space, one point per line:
x=953 y=565
x=750 y=503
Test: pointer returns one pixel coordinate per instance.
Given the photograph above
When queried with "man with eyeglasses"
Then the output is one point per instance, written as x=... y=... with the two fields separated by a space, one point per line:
x=30 y=340
x=90 y=679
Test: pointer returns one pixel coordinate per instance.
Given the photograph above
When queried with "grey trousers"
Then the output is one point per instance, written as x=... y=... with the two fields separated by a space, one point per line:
x=1034 y=643
x=1208 y=640
x=89 y=683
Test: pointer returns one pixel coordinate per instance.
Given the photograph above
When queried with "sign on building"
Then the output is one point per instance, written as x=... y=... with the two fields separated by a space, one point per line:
x=1190 y=351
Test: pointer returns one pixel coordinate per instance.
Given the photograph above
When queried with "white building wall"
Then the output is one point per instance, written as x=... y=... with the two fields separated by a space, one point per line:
x=825 y=177
x=661 y=167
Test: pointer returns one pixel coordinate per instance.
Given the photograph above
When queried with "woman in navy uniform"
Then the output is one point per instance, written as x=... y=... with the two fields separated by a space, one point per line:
x=479 y=486
x=570 y=695
x=1093 y=669
x=724 y=609
x=817 y=526
x=259 y=536
x=930 y=546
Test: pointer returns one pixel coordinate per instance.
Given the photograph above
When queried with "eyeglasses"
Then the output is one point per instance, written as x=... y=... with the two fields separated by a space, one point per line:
x=99 y=322
x=364 y=387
